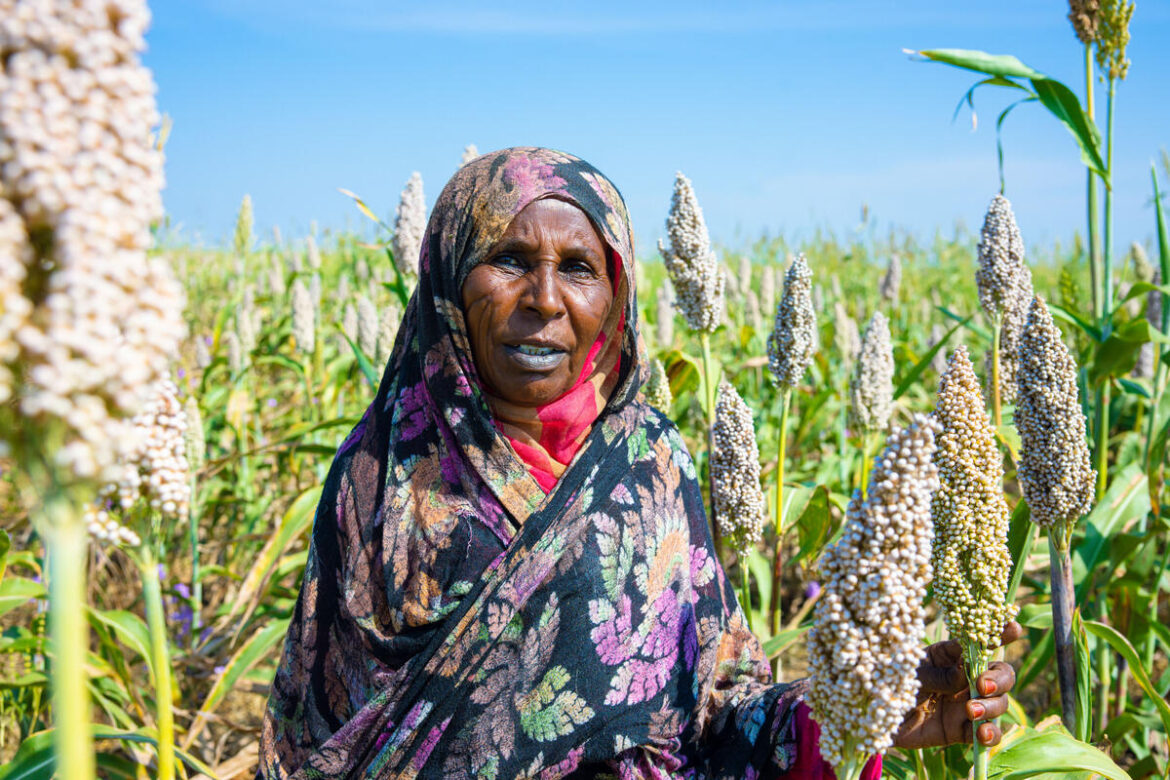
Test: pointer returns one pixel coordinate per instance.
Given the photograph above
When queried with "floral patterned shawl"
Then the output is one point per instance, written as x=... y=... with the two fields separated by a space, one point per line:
x=456 y=620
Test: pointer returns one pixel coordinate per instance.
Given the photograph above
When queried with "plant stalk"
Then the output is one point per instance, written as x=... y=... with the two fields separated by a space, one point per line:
x=996 y=332
x=1101 y=434
x=747 y=592
x=156 y=622
x=1091 y=199
x=778 y=515
x=1060 y=569
x=975 y=663
x=69 y=638
x=712 y=394
x=196 y=579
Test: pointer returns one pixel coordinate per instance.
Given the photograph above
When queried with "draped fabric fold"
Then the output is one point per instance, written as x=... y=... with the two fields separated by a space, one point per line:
x=458 y=618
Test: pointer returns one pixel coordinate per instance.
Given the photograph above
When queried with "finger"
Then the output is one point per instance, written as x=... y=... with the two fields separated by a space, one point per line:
x=987 y=709
x=948 y=653
x=1011 y=632
x=935 y=678
x=989 y=734
x=998 y=679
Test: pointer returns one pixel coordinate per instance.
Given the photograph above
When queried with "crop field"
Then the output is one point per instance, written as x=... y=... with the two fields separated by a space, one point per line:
x=159 y=601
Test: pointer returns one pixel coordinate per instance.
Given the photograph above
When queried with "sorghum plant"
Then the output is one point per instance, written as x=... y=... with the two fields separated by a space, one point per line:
x=89 y=322
x=658 y=388
x=1054 y=470
x=735 y=479
x=867 y=636
x=970 y=557
x=871 y=390
x=1001 y=266
x=790 y=350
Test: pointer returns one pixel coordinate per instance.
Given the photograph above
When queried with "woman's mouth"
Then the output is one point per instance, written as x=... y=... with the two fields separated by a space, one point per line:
x=535 y=358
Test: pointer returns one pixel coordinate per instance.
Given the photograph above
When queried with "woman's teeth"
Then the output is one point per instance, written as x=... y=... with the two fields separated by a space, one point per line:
x=530 y=350
x=533 y=358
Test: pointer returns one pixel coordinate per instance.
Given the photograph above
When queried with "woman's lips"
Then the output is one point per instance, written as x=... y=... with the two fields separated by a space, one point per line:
x=535 y=358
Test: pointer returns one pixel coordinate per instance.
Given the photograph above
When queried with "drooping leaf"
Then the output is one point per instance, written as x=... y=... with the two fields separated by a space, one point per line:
x=18 y=591
x=1122 y=645
x=915 y=372
x=1027 y=753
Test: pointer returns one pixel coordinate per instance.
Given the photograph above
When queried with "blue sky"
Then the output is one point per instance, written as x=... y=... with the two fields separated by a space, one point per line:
x=787 y=116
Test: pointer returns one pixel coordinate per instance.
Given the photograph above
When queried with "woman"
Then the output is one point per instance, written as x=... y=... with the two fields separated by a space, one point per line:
x=510 y=572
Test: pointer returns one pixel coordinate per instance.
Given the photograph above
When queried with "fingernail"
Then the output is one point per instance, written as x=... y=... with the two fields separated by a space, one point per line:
x=985 y=734
x=988 y=687
x=977 y=711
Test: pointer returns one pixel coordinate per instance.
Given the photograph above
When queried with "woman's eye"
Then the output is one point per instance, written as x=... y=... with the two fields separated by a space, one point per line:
x=507 y=261
x=577 y=266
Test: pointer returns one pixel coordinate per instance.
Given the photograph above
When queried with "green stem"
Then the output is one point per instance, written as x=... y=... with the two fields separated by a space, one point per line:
x=863 y=482
x=1060 y=570
x=1101 y=431
x=975 y=664
x=996 y=331
x=747 y=592
x=778 y=515
x=1107 y=238
x=156 y=622
x=1091 y=200
x=196 y=581
x=67 y=543
x=710 y=386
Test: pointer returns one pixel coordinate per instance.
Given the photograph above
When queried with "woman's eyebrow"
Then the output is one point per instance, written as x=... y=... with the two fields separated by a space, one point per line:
x=513 y=244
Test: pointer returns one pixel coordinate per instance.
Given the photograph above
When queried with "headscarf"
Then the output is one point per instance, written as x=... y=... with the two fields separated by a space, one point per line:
x=455 y=620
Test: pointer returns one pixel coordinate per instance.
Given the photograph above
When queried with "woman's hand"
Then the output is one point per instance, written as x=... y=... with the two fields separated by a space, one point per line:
x=945 y=709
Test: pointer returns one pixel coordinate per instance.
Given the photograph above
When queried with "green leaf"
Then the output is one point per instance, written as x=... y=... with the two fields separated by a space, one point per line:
x=1163 y=243
x=1021 y=536
x=363 y=208
x=1061 y=313
x=1035 y=616
x=682 y=371
x=35 y=760
x=1126 y=500
x=242 y=660
x=1026 y=753
x=966 y=321
x=130 y=629
x=18 y=591
x=295 y=521
x=814 y=525
x=1084 y=664
x=5 y=546
x=364 y=364
x=1140 y=675
x=779 y=643
x=1062 y=102
x=1001 y=65
x=915 y=372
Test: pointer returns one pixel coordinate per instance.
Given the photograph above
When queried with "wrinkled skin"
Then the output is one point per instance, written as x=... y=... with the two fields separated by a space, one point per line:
x=945 y=709
x=544 y=283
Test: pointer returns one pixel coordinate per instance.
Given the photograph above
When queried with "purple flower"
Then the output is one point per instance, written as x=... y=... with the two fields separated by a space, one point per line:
x=812 y=590
x=271 y=402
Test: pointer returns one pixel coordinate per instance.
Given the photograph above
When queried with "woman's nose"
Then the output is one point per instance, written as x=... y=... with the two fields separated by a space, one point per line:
x=544 y=294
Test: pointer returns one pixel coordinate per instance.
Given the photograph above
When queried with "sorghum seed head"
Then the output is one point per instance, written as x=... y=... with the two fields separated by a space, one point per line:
x=243 y=237
x=87 y=321
x=1001 y=258
x=691 y=263
x=1009 y=337
x=409 y=224
x=867 y=636
x=196 y=443
x=1083 y=15
x=1113 y=37
x=793 y=340
x=971 y=560
x=892 y=280
x=1054 y=470
x=313 y=253
x=367 y=326
x=872 y=388
x=387 y=330
x=658 y=388
x=735 y=472
x=304 y=326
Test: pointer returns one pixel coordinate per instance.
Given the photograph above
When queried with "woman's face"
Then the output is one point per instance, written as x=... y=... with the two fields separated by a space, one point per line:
x=535 y=306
